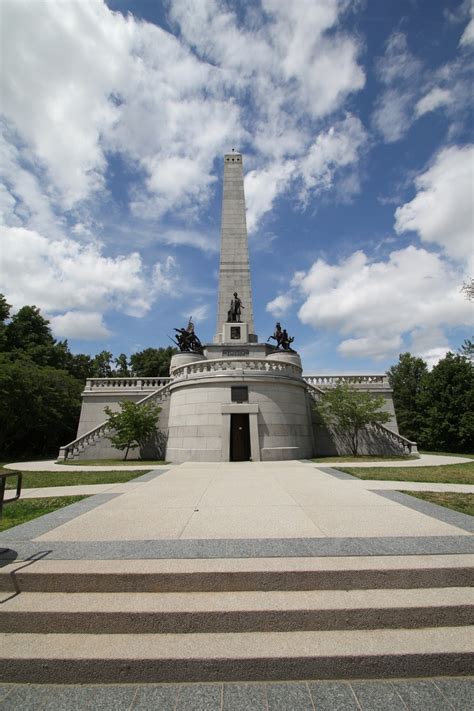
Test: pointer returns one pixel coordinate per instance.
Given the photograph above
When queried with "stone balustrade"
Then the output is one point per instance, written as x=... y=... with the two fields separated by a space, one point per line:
x=409 y=447
x=263 y=366
x=94 y=384
x=74 y=448
x=405 y=445
x=325 y=381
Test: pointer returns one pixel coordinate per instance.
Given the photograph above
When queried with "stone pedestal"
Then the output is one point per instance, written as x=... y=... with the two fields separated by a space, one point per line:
x=235 y=333
x=286 y=357
x=183 y=359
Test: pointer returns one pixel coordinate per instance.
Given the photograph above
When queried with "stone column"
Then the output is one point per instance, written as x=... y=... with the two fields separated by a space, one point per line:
x=234 y=269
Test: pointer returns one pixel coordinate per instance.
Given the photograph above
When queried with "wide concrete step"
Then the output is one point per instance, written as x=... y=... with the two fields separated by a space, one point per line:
x=270 y=611
x=38 y=658
x=227 y=574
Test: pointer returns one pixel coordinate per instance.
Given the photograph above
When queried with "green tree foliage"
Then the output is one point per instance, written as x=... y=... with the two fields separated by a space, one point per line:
x=347 y=411
x=4 y=316
x=448 y=402
x=467 y=349
x=408 y=380
x=152 y=362
x=39 y=406
x=102 y=365
x=121 y=366
x=29 y=333
x=133 y=425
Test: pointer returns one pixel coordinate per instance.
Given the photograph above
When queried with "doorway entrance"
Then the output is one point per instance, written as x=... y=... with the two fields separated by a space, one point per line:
x=239 y=437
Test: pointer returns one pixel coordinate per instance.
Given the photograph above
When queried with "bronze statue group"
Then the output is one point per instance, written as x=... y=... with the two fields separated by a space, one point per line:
x=188 y=342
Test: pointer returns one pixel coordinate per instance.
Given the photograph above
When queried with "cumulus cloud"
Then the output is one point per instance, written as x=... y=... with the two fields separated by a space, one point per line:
x=79 y=324
x=262 y=187
x=331 y=156
x=375 y=304
x=64 y=275
x=338 y=147
x=280 y=305
x=442 y=210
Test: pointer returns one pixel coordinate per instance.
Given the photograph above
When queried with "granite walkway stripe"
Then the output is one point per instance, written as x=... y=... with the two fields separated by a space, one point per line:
x=204 y=549
x=417 y=694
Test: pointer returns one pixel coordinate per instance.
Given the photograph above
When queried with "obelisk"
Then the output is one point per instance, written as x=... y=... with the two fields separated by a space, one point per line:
x=234 y=269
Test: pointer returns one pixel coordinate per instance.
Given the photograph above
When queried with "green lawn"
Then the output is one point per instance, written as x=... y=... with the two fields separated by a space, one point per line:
x=27 y=509
x=364 y=458
x=32 y=480
x=446 y=473
x=464 y=503
x=111 y=462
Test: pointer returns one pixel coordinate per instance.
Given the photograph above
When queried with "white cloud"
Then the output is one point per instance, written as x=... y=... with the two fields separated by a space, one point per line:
x=374 y=305
x=442 y=210
x=336 y=148
x=199 y=313
x=191 y=238
x=327 y=159
x=262 y=187
x=280 y=305
x=399 y=70
x=78 y=324
x=434 y=99
x=64 y=275
x=82 y=81
x=370 y=346
x=61 y=63
x=467 y=36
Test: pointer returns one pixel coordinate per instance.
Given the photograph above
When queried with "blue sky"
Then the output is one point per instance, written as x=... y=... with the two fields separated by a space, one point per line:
x=355 y=122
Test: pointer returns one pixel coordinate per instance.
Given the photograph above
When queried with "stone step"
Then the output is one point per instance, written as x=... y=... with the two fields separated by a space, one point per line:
x=77 y=658
x=226 y=574
x=256 y=611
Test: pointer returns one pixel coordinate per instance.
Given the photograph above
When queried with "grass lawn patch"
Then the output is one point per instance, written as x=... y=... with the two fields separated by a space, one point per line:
x=32 y=480
x=111 y=462
x=364 y=458
x=464 y=503
x=27 y=509
x=445 y=474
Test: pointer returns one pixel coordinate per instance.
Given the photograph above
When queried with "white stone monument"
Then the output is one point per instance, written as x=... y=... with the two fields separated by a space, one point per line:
x=238 y=399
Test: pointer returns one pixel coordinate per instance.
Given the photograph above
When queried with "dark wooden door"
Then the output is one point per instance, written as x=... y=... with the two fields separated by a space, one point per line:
x=239 y=438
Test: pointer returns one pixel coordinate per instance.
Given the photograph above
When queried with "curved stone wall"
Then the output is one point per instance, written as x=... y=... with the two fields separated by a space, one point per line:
x=201 y=408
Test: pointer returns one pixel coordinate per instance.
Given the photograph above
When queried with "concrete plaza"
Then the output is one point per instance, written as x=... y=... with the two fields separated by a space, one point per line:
x=260 y=581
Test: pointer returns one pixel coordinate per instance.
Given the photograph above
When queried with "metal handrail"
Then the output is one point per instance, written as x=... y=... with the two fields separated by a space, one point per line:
x=3 y=482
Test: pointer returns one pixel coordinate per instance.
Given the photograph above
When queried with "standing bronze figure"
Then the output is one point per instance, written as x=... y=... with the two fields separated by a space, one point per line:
x=235 y=311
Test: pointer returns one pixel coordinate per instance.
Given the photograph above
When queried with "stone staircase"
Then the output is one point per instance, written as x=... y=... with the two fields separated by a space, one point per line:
x=91 y=439
x=163 y=620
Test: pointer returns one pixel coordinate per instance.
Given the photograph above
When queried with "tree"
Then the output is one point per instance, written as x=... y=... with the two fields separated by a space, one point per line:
x=448 y=403
x=4 y=316
x=468 y=289
x=81 y=366
x=102 y=365
x=348 y=411
x=121 y=366
x=152 y=362
x=133 y=425
x=28 y=332
x=39 y=406
x=408 y=380
x=467 y=349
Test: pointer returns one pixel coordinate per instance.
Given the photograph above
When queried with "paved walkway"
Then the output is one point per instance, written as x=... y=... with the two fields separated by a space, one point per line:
x=445 y=694
x=424 y=460
x=246 y=511
x=274 y=500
